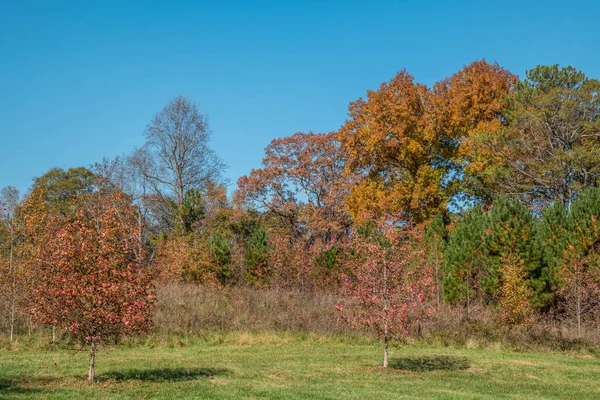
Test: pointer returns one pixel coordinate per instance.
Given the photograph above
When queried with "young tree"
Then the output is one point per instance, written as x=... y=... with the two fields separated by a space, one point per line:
x=387 y=280
x=579 y=285
x=514 y=293
x=93 y=281
x=579 y=273
x=220 y=254
x=258 y=270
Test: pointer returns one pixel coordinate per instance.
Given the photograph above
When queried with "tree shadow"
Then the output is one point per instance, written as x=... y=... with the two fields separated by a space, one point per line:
x=165 y=374
x=434 y=363
x=10 y=386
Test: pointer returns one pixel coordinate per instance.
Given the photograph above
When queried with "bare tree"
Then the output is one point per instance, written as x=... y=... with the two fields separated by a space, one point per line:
x=177 y=157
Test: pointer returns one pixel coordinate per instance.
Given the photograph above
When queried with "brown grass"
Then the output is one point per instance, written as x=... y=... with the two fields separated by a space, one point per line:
x=189 y=309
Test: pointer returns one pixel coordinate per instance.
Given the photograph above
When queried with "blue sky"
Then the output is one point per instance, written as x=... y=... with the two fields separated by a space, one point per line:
x=80 y=80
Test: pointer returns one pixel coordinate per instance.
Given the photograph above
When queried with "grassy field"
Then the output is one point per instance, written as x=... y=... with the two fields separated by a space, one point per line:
x=291 y=367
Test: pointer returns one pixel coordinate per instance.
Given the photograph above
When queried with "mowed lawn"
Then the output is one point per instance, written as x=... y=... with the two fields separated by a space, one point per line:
x=272 y=367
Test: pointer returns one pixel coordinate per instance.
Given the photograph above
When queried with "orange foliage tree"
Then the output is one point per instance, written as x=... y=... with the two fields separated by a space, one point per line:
x=301 y=188
x=465 y=106
x=412 y=148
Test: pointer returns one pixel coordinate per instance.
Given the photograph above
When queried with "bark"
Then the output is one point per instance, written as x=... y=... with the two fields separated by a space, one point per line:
x=385 y=352
x=91 y=371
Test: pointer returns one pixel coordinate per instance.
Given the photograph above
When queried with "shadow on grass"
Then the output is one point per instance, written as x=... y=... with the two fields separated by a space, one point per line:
x=435 y=363
x=14 y=386
x=165 y=374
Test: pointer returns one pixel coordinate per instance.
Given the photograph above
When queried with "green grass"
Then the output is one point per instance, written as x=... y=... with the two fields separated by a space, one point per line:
x=293 y=367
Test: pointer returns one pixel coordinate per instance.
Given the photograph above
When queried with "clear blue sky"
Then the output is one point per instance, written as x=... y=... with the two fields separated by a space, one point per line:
x=80 y=80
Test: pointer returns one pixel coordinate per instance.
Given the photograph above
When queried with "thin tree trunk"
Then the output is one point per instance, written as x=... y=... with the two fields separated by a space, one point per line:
x=385 y=309
x=91 y=371
x=385 y=351
x=14 y=286
x=12 y=320
x=578 y=307
x=437 y=279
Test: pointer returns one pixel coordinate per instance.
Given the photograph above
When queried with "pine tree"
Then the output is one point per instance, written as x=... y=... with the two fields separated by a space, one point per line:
x=510 y=233
x=465 y=257
x=257 y=249
x=553 y=239
x=571 y=257
x=579 y=274
x=220 y=252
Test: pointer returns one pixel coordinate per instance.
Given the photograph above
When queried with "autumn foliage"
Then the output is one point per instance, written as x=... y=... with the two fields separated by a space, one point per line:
x=387 y=280
x=477 y=192
x=93 y=280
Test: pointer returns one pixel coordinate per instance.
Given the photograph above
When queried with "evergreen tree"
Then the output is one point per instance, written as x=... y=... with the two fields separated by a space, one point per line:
x=220 y=252
x=579 y=273
x=465 y=256
x=569 y=240
x=511 y=234
x=257 y=248
x=553 y=239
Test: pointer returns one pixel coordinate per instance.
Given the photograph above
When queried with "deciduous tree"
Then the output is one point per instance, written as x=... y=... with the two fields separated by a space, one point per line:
x=177 y=157
x=391 y=153
x=302 y=183
x=93 y=281
x=514 y=293
x=464 y=106
x=387 y=280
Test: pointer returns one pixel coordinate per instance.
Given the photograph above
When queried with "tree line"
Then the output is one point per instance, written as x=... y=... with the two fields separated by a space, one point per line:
x=479 y=190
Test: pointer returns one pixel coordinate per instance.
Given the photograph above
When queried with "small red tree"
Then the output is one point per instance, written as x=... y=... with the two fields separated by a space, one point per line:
x=387 y=279
x=93 y=279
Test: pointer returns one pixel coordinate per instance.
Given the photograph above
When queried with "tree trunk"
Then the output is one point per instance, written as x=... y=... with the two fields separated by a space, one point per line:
x=438 y=288
x=13 y=287
x=385 y=352
x=578 y=313
x=12 y=320
x=91 y=371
